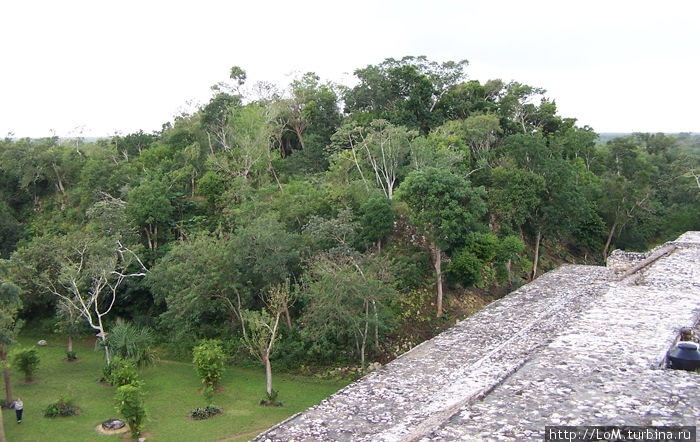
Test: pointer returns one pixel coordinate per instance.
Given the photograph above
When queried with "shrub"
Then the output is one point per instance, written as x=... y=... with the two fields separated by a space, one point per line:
x=208 y=358
x=129 y=399
x=465 y=268
x=61 y=408
x=124 y=375
x=27 y=361
x=129 y=342
x=119 y=372
x=71 y=356
x=271 y=399
x=205 y=413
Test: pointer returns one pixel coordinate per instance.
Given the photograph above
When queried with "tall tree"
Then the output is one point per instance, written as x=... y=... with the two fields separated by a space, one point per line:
x=346 y=299
x=444 y=207
x=89 y=275
x=261 y=332
x=382 y=150
x=10 y=304
x=404 y=91
x=150 y=209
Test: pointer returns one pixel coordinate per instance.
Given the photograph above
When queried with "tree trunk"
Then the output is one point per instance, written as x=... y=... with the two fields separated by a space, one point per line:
x=287 y=316
x=8 y=386
x=70 y=343
x=297 y=129
x=376 y=326
x=102 y=336
x=148 y=238
x=607 y=243
x=274 y=174
x=268 y=372
x=438 y=276
x=537 y=254
x=509 y=265
x=59 y=187
x=2 y=430
x=493 y=223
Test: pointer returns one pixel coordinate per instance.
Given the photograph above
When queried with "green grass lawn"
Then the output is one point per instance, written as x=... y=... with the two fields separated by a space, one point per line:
x=172 y=389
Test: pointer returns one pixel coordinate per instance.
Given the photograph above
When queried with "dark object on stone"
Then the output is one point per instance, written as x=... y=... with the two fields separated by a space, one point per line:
x=686 y=334
x=113 y=424
x=684 y=356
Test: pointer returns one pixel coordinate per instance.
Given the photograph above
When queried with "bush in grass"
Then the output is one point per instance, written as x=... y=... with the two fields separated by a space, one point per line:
x=119 y=372
x=130 y=342
x=61 y=408
x=27 y=361
x=271 y=399
x=129 y=399
x=205 y=413
x=71 y=356
x=124 y=375
x=208 y=358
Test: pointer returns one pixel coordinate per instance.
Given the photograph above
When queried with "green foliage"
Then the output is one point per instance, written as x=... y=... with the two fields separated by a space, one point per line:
x=119 y=372
x=256 y=193
x=270 y=399
x=205 y=413
x=10 y=304
x=208 y=359
x=123 y=375
x=129 y=399
x=208 y=394
x=444 y=206
x=465 y=267
x=211 y=186
x=345 y=300
x=63 y=407
x=26 y=360
x=377 y=220
x=126 y=341
x=411 y=308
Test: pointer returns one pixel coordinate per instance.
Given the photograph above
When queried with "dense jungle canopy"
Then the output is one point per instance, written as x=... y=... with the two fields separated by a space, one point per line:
x=379 y=208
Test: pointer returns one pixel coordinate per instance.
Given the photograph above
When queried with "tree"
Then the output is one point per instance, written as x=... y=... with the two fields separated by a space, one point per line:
x=624 y=200
x=10 y=304
x=149 y=208
x=89 y=274
x=405 y=91
x=199 y=283
x=444 y=207
x=514 y=197
x=377 y=221
x=68 y=323
x=261 y=333
x=208 y=359
x=346 y=299
x=383 y=149
x=27 y=361
x=129 y=399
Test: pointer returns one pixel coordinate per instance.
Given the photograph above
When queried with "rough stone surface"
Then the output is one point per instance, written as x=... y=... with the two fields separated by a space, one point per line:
x=579 y=345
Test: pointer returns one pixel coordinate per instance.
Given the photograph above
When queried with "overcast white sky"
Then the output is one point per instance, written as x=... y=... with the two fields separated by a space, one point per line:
x=618 y=66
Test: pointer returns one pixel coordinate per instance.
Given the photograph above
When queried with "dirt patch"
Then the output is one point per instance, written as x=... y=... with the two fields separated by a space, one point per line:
x=71 y=361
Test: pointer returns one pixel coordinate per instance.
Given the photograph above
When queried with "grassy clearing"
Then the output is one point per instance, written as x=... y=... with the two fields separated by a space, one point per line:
x=172 y=390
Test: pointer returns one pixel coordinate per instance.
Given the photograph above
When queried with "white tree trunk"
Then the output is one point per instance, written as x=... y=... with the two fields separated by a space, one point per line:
x=438 y=276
